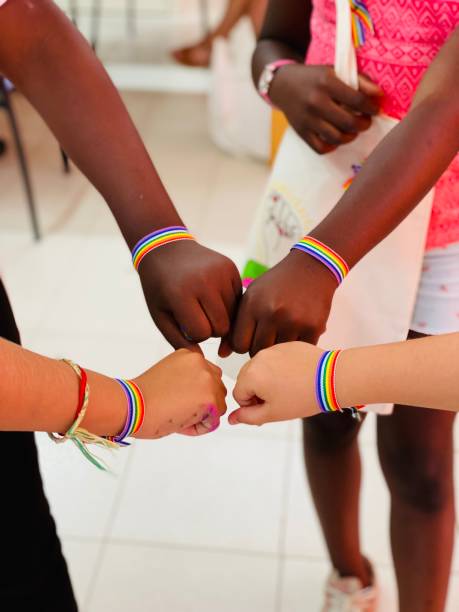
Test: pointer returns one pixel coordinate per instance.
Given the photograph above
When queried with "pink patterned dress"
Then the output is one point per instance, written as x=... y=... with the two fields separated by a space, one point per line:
x=408 y=34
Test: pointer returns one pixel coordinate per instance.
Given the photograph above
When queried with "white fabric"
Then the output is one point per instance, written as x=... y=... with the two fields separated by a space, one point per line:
x=375 y=303
x=240 y=121
x=437 y=304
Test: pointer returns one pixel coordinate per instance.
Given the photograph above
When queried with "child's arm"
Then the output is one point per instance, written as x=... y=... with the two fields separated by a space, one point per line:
x=279 y=383
x=55 y=68
x=292 y=301
x=41 y=394
x=322 y=109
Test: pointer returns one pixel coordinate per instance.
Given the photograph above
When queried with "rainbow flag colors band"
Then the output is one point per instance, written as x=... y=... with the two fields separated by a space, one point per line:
x=326 y=385
x=157 y=239
x=334 y=262
x=325 y=382
x=136 y=412
x=361 y=21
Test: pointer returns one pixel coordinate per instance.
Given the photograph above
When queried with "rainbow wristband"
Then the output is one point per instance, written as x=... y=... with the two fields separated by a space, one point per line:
x=326 y=385
x=325 y=382
x=334 y=262
x=136 y=412
x=157 y=239
x=360 y=21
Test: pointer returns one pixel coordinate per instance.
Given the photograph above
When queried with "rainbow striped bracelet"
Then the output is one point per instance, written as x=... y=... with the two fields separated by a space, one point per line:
x=326 y=385
x=136 y=412
x=325 y=382
x=360 y=21
x=320 y=251
x=158 y=239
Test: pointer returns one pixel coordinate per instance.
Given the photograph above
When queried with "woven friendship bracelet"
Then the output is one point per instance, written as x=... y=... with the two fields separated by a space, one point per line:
x=135 y=414
x=320 y=251
x=158 y=239
x=79 y=436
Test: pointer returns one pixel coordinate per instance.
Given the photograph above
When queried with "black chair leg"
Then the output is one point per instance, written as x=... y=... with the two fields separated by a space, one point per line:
x=22 y=162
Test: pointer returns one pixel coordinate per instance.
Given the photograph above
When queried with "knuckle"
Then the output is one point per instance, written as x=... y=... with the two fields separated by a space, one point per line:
x=314 y=99
x=326 y=77
x=349 y=124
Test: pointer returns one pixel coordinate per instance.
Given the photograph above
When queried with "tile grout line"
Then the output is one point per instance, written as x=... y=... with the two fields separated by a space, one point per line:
x=285 y=496
x=106 y=535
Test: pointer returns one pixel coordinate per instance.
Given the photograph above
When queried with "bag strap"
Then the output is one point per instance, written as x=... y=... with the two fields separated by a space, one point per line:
x=345 y=56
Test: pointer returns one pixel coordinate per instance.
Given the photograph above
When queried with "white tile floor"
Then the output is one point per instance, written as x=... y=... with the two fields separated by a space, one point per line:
x=217 y=524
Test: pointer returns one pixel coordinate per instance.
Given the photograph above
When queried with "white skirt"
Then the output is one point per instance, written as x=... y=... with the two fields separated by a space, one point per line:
x=437 y=303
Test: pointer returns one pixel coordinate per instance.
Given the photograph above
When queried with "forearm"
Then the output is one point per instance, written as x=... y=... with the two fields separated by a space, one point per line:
x=405 y=165
x=400 y=172
x=285 y=34
x=41 y=394
x=54 y=67
x=422 y=373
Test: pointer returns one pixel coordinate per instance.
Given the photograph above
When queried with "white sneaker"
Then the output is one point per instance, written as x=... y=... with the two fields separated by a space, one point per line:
x=348 y=595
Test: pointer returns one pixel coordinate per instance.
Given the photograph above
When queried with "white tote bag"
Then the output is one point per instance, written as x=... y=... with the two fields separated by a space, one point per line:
x=239 y=120
x=375 y=302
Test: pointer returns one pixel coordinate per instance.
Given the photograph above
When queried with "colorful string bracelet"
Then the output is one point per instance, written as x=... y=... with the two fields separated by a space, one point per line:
x=326 y=384
x=158 y=239
x=361 y=21
x=320 y=251
x=79 y=436
x=135 y=413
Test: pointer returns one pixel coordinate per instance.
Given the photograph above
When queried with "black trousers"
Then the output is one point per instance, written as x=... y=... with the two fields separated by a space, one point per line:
x=33 y=572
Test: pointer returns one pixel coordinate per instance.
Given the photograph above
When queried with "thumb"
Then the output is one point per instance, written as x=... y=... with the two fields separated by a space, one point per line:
x=245 y=390
x=369 y=87
x=252 y=415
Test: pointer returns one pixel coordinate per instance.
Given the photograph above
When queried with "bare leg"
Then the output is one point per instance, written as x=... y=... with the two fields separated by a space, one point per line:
x=199 y=53
x=333 y=466
x=416 y=453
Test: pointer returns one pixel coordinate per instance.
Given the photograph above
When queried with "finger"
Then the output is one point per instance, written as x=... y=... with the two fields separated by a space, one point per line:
x=354 y=99
x=225 y=350
x=287 y=334
x=309 y=336
x=245 y=390
x=369 y=87
x=244 y=328
x=328 y=132
x=215 y=369
x=264 y=337
x=220 y=399
x=317 y=144
x=344 y=120
x=217 y=314
x=209 y=423
x=170 y=329
x=192 y=320
x=254 y=415
x=231 y=295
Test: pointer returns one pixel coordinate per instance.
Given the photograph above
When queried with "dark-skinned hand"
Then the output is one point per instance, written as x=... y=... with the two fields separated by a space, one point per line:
x=292 y=301
x=191 y=292
x=324 y=111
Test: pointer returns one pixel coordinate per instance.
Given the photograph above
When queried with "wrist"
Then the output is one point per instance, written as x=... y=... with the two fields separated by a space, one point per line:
x=357 y=378
x=161 y=238
x=269 y=76
x=106 y=413
x=325 y=255
x=304 y=263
